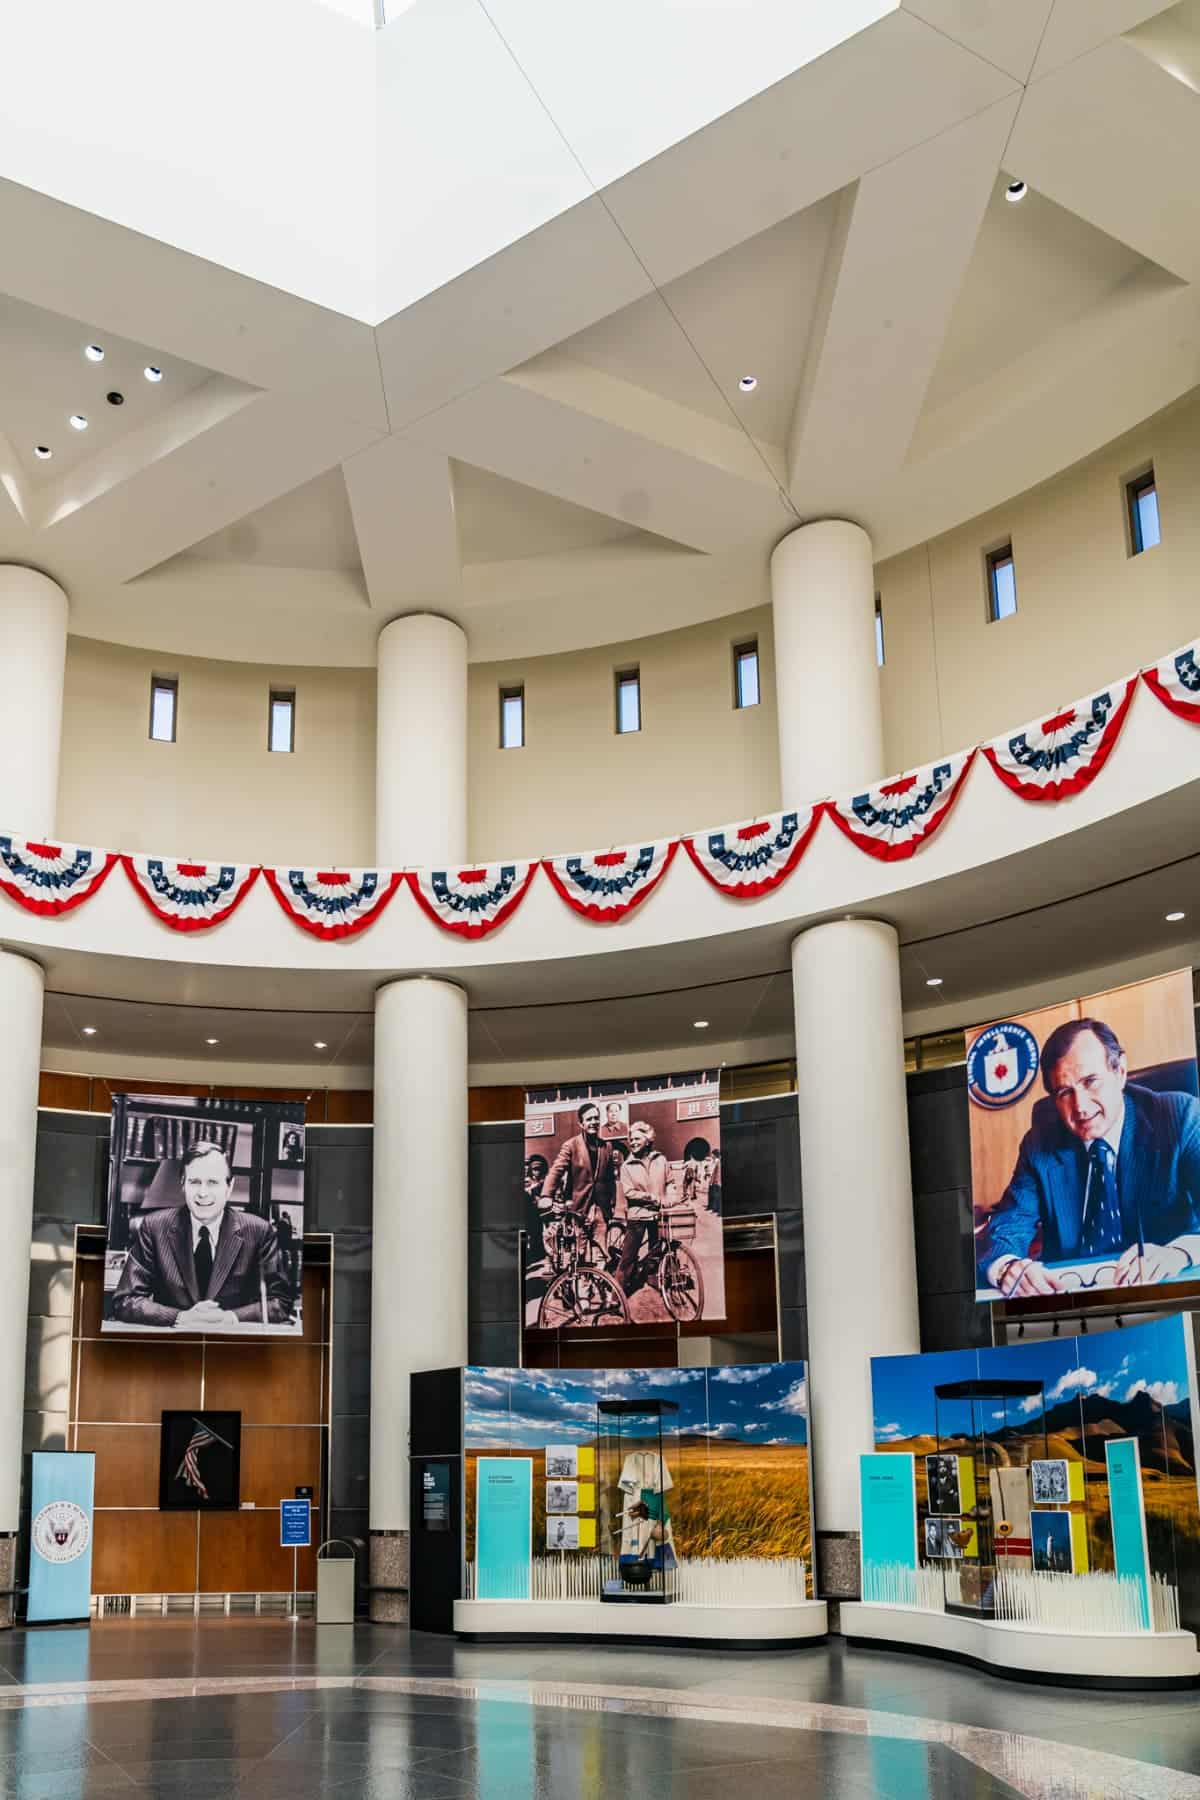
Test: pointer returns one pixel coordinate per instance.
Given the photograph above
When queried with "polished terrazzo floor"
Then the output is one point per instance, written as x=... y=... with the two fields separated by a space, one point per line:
x=257 y=1711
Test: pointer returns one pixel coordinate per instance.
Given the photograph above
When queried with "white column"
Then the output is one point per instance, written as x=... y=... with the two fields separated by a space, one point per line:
x=419 y=1235
x=20 y=1060
x=859 y=1258
x=826 y=676
x=33 y=648
x=421 y=743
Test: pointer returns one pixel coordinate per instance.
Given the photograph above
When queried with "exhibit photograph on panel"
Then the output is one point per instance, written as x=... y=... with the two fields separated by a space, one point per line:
x=623 y=1192
x=1085 y=1143
x=205 y=1216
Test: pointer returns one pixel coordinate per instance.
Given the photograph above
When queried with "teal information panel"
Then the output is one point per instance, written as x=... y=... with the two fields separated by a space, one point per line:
x=1128 y=1509
x=503 y=1527
x=61 y=1487
x=888 y=1491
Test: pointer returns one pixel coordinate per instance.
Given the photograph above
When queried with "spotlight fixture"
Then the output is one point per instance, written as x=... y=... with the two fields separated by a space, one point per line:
x=212 y=1040
x=1173 y=918
x=94 y=352
x=934 y=981
x=43 y=452
x=114 y=398
x=320 y=1044
x=1016 y=190
x=89 y=1031
x=78 y=422
x=152 y=372
x=699 y=1024
x=748 y=383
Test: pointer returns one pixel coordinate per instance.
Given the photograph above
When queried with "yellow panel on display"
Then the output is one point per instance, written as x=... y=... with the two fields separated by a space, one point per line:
x=966 y=1487
x=1079 y=1540
x=1075 y=1481
x=585 y=1501
x=587 y=1534
x=585 y=1460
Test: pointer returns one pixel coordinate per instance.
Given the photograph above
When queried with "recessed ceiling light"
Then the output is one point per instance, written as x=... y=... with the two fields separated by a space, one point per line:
x=933 y=981
x=43 y=452
x=212 y=1040
x=78 y=422
x=89 y=1031
x=320 y=1044
x=94 y=352
x=700 y=1024
x=152 y=372
x=1174 y=918
x=1016 y=190
x=748 y=383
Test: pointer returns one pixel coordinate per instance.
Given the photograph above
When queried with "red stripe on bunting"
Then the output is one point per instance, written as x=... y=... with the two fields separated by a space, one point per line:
x=345 y=927
x=53 y=909
x=1064 y=786
x=608 y=915
x=478 y=928
x=745 y=835
x=899 y=849
x=187 y=921
x=1173 y=678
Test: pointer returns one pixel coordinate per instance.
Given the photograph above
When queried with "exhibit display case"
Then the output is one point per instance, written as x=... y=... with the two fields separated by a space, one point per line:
x=989 y=1432
x=637 y=1470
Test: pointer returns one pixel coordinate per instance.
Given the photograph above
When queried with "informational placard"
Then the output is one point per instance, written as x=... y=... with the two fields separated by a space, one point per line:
x=503 y=1527
x=435 y=1496
x=888 y=1495
x=1127 y=1508
x=62 y=1486
x=295 y=1524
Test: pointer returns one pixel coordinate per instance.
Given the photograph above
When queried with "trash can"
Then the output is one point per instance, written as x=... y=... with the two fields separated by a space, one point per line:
x=335 y=1583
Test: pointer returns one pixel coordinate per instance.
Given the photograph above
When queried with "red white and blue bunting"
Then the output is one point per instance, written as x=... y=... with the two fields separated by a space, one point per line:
x=893 y=820
x=1062 y=755
x=333 y=903
x=51 y=878
x=606 y=885
x=755 y=855
x=190 y=896
x=1176 y=681
x=472 y=902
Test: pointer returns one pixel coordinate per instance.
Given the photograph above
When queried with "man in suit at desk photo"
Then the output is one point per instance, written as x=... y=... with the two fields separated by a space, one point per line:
x=205 y=1265
x=1108 y=1169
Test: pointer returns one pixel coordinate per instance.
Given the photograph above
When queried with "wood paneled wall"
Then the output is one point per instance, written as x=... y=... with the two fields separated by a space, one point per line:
x=121 y=1385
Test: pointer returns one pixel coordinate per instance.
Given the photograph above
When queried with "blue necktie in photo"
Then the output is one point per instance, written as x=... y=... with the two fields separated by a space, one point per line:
x=1102 y=1229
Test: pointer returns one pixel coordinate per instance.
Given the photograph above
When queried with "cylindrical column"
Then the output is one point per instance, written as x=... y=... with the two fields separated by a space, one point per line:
x=859 y=1258
x=20 y=1060
x=826 y=676
x=33 y=648
x=419 y=1242
x=421 y=743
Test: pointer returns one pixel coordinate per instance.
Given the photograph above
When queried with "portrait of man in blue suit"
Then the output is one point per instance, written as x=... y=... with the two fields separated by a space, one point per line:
x=1109 y=1169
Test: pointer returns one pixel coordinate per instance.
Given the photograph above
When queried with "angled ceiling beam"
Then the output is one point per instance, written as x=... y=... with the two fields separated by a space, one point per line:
x=1005 y=33
x=402 y=500
x=1077 y=26
x=902 y=246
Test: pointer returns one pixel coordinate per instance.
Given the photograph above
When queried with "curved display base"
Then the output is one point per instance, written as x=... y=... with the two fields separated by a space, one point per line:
x=561 y=1621
x=1117 y=1659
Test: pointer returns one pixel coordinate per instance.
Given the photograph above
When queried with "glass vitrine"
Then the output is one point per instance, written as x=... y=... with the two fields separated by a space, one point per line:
x=977 y=1486
x=638 y=1477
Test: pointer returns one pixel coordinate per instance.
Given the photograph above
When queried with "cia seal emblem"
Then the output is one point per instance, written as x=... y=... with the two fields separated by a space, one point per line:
x=1002 y=1065
x=61 y=1531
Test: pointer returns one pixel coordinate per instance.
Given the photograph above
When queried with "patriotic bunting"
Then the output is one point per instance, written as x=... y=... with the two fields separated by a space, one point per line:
x=472 y=902
x=893 y=821
x=1176 y=681
x=190 y=896
x=1063 y=754
x=333 y=903
x=755 y=855
x=606 y=885
x=51 y=878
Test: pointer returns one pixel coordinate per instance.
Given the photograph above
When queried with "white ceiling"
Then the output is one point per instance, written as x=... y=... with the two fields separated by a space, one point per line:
x=560 y=418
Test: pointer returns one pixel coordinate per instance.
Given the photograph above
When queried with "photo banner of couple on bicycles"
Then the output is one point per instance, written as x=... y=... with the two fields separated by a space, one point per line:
x=623 y=1191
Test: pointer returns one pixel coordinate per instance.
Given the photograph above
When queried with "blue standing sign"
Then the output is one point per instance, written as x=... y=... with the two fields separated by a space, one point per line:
x=1127 y=1509
x=295 y=1524
x=61 y=1489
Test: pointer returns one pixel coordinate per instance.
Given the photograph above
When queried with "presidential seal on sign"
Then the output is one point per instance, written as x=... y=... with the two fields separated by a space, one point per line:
x=61 y=1531
x=1002 y=1065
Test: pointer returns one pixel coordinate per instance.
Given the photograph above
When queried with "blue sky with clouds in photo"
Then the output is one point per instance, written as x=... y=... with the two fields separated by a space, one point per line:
x=1150 y=1358
x=525 y=1409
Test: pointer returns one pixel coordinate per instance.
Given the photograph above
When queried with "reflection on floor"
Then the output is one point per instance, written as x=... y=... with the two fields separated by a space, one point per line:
x=184 y=1711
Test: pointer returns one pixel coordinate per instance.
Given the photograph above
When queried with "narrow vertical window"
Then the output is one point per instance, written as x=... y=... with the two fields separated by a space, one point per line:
x=281 y=720
x=512 y=718
x=629 y=700
x=1141 y=497
x=745 y=674
x=164 y=698
x=879 y=629
x=1002 y=583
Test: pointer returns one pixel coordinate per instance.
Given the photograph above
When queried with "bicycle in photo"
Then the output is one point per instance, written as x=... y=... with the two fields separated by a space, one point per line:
x=664 y=1262
x=581 y=1291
